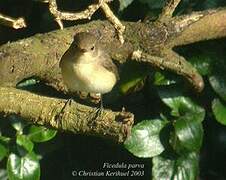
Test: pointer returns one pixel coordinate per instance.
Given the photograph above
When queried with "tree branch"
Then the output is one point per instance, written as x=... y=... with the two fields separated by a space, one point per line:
x=73 y=117
x=39 y=57
x=168 y=9
x=15 y=23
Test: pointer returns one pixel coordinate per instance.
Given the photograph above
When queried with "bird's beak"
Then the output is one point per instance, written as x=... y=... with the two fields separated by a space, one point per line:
x=83 y=50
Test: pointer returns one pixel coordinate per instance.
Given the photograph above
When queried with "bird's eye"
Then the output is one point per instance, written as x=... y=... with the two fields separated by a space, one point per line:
x=92 y=48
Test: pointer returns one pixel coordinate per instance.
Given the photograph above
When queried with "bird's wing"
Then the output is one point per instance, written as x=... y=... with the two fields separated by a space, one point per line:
x=108 y=64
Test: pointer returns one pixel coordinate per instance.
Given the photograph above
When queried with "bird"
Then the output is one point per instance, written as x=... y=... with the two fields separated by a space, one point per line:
x=87 y=67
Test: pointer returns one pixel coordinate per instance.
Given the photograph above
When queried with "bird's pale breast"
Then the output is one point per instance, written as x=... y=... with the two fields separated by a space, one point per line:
x=89 y=77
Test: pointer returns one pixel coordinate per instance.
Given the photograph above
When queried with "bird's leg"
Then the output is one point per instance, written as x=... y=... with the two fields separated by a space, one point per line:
x=101 y=107
x=99 y=110
x=68 y=102
x=101 y=102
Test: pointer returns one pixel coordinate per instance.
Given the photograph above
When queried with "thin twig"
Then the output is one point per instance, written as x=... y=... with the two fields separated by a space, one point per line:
x=114 y=20
x=15 y=23
x=87 y=14
x=169 y=9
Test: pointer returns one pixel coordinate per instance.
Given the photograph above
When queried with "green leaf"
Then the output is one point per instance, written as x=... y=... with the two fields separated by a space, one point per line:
x=154 y=3
x=132 y=76
x=163 y=78
x=4 y=139
x=210 y=4
x=27 y=82
x=219 y=111
x=189 y=132
x=17 y=123
x=3 y=151
x=23 y=168
x=24 y=141
x=41 y=133
x=188 y=117
x=184 y=167
x=202 y=63
x=124 y=3
x=181 y=105
x=144 y=140
x=218 y=83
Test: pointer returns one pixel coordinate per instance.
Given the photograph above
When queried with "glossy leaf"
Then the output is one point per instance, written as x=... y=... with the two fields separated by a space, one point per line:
x=188 y=117
x=190 y=133
x=41 y=133
x=17 y=123
x=27 y=82
x=3 y=151
x=154 y=3
x=202 y=63
x=23 y=168
x=181 y=105
x=163 y=78
x=144 y=140
x=132 y=77
x=124 y=3
x=25 y=142
x=219 y=111
x=175 y=168
x=218 y=83
x=5 y=139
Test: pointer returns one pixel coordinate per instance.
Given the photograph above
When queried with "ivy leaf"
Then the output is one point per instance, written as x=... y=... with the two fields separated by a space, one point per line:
x=124 y=4
x=189 y=132
x=219 y=111
x=218 y=83
x=5 y=139
x=3 y=151
x=164 y=78
x=188 y=117
x=41 y=133
x=218 y=77
x=202 y=63
x=25 y=142
x=132 y=76
x=17 y=123
x=144 y=140
x=176 y=168
x=179 y=104
x=23 y=168
x=153 y=3
x=27 y=82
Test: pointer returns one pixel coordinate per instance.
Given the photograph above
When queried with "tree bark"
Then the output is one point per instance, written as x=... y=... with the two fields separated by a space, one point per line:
x=39 y=56
x=59 y=114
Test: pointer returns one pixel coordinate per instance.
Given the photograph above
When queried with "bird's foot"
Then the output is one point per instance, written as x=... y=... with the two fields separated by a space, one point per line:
x=95 y=97
x=68 y=102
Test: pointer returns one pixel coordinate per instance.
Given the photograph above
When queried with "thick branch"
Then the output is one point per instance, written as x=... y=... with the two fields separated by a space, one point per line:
x=198 y=26
x=73 y=117
x=179 y=64
x=39 y=55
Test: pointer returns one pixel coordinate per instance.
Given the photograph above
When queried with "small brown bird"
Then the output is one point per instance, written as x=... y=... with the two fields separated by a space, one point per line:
x=87 y=67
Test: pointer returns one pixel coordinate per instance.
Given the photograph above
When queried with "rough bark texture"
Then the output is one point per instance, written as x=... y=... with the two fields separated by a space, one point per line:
x=39 y=56
x=72 y=116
